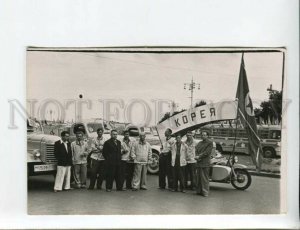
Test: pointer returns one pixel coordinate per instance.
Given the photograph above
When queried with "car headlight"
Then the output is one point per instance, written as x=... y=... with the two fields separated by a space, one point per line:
x=235 y=159
x=36 y=153
x=278 y=144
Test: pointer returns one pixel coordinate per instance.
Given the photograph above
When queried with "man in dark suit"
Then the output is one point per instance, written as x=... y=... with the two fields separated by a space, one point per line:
x=112 y=154
x=203 y=152
x=63 y=154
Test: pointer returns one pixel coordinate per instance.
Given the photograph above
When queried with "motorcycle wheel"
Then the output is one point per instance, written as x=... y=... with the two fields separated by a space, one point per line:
x=243 y=179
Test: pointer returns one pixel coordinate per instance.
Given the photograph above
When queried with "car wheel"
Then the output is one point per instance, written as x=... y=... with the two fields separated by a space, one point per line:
x=268 y=152
x=153 y=167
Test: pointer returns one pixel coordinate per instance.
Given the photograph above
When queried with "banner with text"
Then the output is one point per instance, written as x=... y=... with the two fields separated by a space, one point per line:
x=196 y=117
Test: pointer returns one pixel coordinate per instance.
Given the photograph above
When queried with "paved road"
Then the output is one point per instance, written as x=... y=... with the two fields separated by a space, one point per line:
x=261 y=198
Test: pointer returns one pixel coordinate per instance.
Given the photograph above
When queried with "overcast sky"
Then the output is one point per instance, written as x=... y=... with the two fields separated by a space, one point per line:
x=65 y=75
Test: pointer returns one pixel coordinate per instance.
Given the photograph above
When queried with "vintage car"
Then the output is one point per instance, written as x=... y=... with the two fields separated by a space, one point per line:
x=88 y=128
x=40 y=150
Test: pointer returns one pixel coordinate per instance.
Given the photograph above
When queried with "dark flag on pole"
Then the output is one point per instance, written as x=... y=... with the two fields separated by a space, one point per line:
x=247 y=118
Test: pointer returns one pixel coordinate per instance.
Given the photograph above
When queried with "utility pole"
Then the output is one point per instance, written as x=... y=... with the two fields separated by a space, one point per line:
x=270 y=89
x=272 y=93
x=191 y=86
x=78 y=115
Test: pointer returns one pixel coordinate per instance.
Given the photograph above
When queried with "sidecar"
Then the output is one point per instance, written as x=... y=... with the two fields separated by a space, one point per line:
x=220 y=173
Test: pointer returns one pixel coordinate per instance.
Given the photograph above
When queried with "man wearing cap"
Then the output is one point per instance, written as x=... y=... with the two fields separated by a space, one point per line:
x=63 y=154
x=165 y=169
x=97 y=160
x=141 y=153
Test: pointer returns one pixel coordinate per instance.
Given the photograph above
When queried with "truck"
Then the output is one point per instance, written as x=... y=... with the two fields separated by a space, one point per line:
x=40 y=150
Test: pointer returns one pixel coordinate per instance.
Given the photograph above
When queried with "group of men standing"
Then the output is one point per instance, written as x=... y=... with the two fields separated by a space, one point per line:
x=111 y=160
x=125 y=162
x=182 y=160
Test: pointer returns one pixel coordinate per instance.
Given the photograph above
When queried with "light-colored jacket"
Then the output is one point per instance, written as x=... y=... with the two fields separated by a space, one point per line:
x=141 y=153
x=97 y=148
x=126 y=149
x=183 y=153
x=80 y=152
x=191 y=146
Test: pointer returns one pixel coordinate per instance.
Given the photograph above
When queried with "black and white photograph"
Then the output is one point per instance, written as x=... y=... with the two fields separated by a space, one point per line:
x=156 y=131
x=149 y=114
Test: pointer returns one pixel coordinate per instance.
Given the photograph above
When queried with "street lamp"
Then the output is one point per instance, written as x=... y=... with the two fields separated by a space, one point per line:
x=191 y=86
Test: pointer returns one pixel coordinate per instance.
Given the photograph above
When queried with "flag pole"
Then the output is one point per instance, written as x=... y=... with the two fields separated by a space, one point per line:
x=245 y=101
x=236 y=120
x=235 y=130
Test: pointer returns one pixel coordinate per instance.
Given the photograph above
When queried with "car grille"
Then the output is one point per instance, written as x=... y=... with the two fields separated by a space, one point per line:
x=50 y=158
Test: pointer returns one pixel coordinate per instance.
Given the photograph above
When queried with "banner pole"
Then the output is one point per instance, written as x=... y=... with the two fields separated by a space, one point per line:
x=158 y=136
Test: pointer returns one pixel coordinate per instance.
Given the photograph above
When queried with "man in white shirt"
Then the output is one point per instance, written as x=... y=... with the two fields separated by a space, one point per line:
x=97 y=161
x=165 y=168
x=126 y=160
x=80 y=152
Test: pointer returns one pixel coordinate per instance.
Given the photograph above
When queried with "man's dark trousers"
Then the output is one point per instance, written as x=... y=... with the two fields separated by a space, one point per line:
x=97 y=173
x=123 y=172
x=178 y=175
x=114 y=173
x=129 y=174
x=190 y=172
x=165 y=170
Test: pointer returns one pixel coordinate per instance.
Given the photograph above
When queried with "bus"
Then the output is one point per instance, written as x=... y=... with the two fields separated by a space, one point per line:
x=224 y=136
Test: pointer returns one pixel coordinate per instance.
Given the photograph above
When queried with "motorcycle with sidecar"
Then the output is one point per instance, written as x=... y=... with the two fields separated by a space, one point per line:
x=227 y=170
